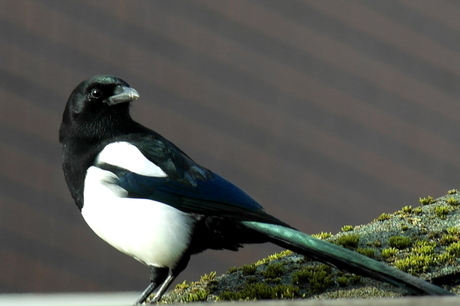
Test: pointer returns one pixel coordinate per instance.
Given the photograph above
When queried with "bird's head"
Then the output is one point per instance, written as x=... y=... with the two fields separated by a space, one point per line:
x=97 y=105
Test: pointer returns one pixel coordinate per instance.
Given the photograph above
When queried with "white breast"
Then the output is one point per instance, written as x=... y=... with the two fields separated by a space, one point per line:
x=152 y=232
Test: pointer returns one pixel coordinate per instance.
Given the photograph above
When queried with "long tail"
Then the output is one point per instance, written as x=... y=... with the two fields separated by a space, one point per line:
x=343 y=258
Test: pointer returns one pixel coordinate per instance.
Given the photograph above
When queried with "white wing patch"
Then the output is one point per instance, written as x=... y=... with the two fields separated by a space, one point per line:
x=127 y=156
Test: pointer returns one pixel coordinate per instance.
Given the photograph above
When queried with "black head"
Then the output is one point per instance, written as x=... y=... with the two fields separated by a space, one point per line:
x=96 y=107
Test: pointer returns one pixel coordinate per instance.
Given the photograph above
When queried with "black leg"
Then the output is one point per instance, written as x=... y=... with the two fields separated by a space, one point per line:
x=158 y=276
x=171 y=277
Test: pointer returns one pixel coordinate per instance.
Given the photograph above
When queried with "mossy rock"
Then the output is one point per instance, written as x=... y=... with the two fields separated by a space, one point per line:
x=423 y=240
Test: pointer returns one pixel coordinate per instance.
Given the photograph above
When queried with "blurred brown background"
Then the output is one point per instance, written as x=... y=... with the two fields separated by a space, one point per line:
x=327 y=112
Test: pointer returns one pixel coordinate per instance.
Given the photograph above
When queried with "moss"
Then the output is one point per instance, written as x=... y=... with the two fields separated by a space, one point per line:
x=423 y=247
x=399 y=242
x=389 y=252
x=407 y=209
x=421 y=243
x=442 y=211
x=366 y=252
x=348 y=279
x=251 y=279
x=274 y=257
x=415 y=264
x=423 y=231
x=452 y=201
x=208 y=277
x=422 y=257
x=323 y=235
x=249 y=269
x=454 y=249
x=420 y=253
x=274 y=270
x=260 y=291
x=232 y=270
x=318 y=278
x=377 y=243
x=448 y=239
x=426 y=201
x=197 y=295
x=347 y=228
x=452 y=235
x=348 y=241
x=446 y=258
x=342 y=281
x=453 y=230
x=192 y=292
x=383 y=217
x=182 y=286
x=452 y=191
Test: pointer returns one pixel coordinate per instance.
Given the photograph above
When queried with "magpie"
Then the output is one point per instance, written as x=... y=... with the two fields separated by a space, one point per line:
x=147 y=198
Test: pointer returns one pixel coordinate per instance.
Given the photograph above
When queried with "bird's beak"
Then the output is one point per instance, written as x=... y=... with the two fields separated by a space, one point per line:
x=123 y=94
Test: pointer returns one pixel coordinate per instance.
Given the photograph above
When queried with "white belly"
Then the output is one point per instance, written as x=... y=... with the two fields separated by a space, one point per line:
x=152 y=232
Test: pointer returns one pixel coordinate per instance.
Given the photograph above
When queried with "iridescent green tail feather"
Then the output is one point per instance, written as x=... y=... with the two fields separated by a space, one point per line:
x=343 y=258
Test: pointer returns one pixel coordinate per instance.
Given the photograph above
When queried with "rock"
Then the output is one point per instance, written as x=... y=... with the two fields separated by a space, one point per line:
x=423 y=241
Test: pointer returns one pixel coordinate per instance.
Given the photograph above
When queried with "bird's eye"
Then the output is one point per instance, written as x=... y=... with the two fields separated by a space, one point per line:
x=95 y=94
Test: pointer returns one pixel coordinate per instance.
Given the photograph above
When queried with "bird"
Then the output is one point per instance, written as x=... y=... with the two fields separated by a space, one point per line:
x=147 y=198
